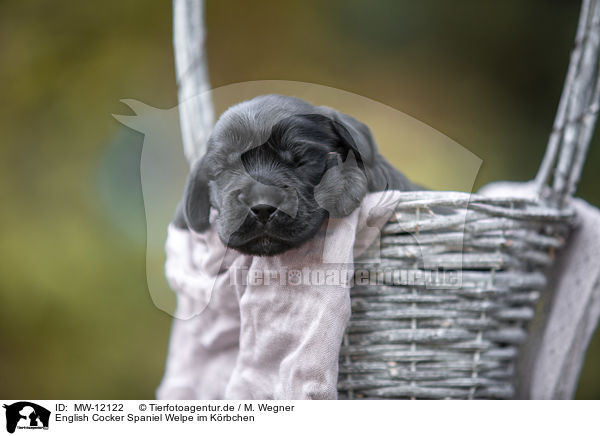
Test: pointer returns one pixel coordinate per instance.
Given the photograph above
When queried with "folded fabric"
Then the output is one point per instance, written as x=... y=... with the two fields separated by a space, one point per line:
x=569 y=310
x=264 y=327
x=204 y=336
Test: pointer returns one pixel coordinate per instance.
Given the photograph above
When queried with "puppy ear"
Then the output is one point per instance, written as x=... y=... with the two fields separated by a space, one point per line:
x=195 y=205
x=355 y=136
x=345 y=183
x=342 y=187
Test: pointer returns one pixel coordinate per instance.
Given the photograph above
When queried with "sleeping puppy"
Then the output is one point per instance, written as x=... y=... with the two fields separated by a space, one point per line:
x=276 y=168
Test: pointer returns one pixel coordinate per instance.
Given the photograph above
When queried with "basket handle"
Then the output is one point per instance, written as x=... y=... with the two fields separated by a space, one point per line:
x=577 y=112
x=196 y=110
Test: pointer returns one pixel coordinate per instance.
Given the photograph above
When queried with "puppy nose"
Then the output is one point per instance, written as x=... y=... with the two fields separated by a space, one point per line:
x=263 y=212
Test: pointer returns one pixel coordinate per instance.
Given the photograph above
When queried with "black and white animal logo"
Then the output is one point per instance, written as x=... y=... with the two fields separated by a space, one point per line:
x=26 y=415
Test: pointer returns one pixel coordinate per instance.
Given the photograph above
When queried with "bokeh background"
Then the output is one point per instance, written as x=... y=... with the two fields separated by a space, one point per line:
x=76 y=318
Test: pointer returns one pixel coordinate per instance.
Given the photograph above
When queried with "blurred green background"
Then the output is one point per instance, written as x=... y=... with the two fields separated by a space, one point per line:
x=76 y=318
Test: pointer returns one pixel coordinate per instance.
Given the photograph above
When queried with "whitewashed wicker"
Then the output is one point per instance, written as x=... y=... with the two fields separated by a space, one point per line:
x=461 y=340
x=424 y=341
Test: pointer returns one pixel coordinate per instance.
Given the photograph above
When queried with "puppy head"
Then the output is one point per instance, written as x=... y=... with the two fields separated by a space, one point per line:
x=274 y=194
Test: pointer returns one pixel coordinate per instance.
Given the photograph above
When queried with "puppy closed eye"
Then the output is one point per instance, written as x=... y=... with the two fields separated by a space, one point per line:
x=293 y=160
x=287 y=156
x=307 y=158
x=300 y=163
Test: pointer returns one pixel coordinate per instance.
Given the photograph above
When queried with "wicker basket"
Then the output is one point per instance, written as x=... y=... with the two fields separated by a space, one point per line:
x=413 y=336
x=452 y=332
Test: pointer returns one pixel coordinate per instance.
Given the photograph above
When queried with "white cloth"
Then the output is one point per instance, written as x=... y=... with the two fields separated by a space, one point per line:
x=568 y=313
x=239 y=336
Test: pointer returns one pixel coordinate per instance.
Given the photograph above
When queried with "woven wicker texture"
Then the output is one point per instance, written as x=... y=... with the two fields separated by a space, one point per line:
x=410 y=337
x=415 y=338
x=445 y=314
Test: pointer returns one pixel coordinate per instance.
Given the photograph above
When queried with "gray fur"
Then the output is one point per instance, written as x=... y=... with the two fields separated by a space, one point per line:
x=251 y=143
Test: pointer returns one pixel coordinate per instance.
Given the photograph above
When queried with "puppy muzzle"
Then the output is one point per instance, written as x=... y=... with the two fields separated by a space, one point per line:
x=264 y=201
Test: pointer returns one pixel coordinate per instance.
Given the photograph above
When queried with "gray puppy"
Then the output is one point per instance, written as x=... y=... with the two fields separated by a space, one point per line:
x=276 y=168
